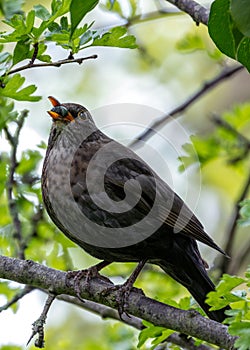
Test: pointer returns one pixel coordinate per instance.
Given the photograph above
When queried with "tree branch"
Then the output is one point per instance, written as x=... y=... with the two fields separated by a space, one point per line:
x=184 y=342
x=103 y=311
x=231 y=231
x=13 y=140
x=107 y=312
x=199 y=13
x=38 y=325
x=26 y=290
x=59 y=63
x=160 y=122
x=54 y=281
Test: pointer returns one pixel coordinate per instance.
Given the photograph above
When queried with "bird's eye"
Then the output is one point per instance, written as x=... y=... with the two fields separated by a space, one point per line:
x=82 y=115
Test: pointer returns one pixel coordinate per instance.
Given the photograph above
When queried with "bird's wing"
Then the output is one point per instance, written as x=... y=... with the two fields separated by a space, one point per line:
x=172 y=211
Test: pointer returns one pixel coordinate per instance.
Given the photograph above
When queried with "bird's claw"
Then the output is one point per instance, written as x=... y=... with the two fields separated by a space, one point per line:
x=87 y=274
x=123 y=293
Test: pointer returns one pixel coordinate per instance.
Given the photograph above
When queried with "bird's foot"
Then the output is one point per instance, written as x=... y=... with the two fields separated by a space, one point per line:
x=125 y=289
x=87 y=274
x=122 y=297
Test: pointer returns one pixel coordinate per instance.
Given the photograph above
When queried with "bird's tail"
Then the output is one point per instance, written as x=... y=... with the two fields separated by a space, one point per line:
x=191 y=273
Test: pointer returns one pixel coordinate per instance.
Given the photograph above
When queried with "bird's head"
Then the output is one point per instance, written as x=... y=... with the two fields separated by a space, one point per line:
x=67 y=112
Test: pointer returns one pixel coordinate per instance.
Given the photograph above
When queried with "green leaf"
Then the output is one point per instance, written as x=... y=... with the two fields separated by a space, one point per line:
x=42 y=12
x=58 y=8
x=190 y=42
x=29 y=162
x=150 y=332
x=245 y=213
x=5 y=58
x=240 y=10
x=12 y=90
x=220 y=27
x=78 y=10
x=116 y=37
x=21 y=51
x=30 y=21
x=11 y=7
x=222 y=296
x=241 y=329
x=243 y=52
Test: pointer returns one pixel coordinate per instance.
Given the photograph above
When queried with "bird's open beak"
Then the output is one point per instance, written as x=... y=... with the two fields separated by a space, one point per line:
x=56 y=116
x=54 y=101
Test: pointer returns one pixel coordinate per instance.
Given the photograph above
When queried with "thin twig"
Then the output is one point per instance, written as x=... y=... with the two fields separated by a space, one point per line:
x=17 y=297
x=232 y=227
x=242 y=139
x=233 y=266
x=51 y=64
x=239 y=258
x=13 y=140
x=38 y=325
x=103 y=311
x=184 y=342
x=160 y=122
x=35 y=53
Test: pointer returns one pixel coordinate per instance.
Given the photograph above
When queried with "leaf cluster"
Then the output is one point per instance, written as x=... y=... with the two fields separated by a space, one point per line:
x=229 y=140
x=229 y=27
x=239 y=301
x=32 y=31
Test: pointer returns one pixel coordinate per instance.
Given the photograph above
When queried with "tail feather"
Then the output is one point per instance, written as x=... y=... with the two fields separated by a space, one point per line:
x=194 y=276
x=199 y=295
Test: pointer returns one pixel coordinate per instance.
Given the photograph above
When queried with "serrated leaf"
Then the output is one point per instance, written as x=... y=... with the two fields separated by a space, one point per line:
x=64 y=23
x=242 y=330
x=161 y=338
x=12 y=90
x=86 y=37
x=45 y=58
x=55 y=6
x=116 y=37
x=21 y=51
x=41 y=12
x=58 y=8
x=78 y=10
x=240 y=10
x=222 y=296
x=30 y=19
x=150 y=332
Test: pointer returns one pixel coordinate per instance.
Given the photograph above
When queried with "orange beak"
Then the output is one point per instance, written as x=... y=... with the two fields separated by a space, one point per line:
x=54 y=101
x=59 y=116
x=56 y=116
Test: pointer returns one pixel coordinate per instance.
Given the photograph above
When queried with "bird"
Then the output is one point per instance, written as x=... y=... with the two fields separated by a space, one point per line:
x=112 y=204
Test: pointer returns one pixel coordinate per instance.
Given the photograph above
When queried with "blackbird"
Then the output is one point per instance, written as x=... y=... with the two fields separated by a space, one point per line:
x=107 y=200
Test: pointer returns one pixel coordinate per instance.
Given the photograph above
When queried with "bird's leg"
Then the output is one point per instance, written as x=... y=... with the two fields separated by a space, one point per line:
x=89 y=273
x=125 y=289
